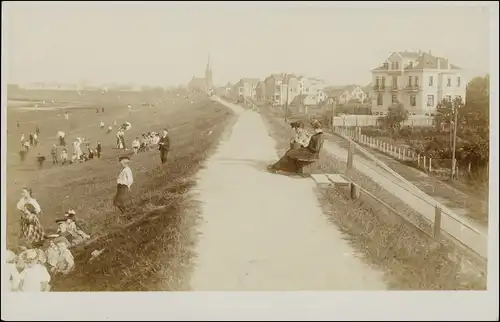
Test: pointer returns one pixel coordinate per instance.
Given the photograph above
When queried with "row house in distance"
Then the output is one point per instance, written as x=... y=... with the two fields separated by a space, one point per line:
x=246 y=87
x=418 y=80
x=345 y=94
x=283 y=88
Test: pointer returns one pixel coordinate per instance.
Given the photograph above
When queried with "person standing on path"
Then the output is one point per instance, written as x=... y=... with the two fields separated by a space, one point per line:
x=37 y=130
x=53 y=153
x=60 y=135
x=35 y=139
x=102 y=125
x=124 y=181
x=32 y=139
x=118 y=138
x=164 y=146
x=122 y=139
x=66 y=115
x=136 y=144
x=98 y=149
x=22 y=140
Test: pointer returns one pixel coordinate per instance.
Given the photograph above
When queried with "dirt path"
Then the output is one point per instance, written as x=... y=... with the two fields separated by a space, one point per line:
x=266 y=232
x=476 y=239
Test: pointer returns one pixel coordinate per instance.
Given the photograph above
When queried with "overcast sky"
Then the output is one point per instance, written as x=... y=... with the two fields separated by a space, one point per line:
x=166 y=44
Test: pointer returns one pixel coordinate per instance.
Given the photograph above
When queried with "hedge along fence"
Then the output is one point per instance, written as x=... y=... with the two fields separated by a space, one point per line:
x=424 y=160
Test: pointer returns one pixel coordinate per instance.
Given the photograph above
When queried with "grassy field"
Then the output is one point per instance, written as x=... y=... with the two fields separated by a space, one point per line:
x=149 y=249
x=411 y=259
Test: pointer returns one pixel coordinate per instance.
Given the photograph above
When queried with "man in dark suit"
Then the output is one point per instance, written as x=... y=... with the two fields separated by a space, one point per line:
x=164 y=146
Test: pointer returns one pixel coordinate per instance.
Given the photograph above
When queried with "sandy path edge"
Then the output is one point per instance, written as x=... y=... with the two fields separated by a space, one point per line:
x=265 y=232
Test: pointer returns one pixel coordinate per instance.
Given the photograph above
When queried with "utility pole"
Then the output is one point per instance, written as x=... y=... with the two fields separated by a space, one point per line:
x=334 y=105
x=286 y=101
x=453 y=160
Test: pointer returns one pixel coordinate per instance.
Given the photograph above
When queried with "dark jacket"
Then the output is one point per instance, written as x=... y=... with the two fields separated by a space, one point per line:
x=164 y=143
x=98 y=147
x=311 y=152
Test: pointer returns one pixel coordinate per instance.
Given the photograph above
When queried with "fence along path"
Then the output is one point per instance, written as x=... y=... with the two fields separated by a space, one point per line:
x=458 y=228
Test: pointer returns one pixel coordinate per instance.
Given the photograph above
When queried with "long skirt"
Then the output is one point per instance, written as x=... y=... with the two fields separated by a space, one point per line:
x=122 y=141
x=121 y=195
x=31 y=230
x=294 y=160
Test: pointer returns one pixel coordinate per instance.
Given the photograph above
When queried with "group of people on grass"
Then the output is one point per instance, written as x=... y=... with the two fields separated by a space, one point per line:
x=44 y=254
x=27 y=144
x=41 y=254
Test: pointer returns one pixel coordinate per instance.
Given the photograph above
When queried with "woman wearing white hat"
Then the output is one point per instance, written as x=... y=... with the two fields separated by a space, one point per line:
x=34 y=277
x=14 y=278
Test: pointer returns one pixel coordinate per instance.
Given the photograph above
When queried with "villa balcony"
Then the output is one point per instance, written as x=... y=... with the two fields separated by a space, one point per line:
x=412 y=88
x=379 y=88
x=394 y=88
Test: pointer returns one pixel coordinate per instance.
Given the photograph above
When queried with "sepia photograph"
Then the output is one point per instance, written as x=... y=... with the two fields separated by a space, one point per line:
x=228 y=160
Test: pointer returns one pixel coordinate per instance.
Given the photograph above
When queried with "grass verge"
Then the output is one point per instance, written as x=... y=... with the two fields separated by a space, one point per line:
x=410 y=259
x=463 y=200
x=151 y=249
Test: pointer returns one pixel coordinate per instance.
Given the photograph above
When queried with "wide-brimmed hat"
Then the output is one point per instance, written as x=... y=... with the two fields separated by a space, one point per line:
x=297 y=125
x=57 y=221
x=70 y=214
x=125 y=157
x=316 y=124
x=63 y=240
x=29 y=255
x=10 y=256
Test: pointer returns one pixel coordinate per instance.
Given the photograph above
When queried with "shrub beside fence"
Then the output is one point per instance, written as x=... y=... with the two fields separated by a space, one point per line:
x=400 y=152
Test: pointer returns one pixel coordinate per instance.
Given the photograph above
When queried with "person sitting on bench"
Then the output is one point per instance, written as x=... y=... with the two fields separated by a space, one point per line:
x=294 y=160
x=301 y=138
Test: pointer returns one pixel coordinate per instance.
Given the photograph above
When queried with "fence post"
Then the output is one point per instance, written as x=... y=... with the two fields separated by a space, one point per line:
x=350 y=155
x=404 y=154
x=437 y=222
x=425 y=167
x=430 y=164
x=354 y=191
x=399 y=153
x=418 y=160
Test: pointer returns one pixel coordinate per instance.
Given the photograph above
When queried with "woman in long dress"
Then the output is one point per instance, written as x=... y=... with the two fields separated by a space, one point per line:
x=60 y=135
x=31 y=229
x=294 y=160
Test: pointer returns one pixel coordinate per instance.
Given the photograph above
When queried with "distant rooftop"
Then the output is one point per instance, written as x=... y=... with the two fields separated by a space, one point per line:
x=423 y=61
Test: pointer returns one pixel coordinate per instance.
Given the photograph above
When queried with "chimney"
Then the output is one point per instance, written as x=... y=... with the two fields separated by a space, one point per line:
x=439 y=63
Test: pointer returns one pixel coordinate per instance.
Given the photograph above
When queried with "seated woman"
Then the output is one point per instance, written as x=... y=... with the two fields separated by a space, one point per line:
x=59 y=257
x=301 y=138
x=73 y=227
x=294 y=160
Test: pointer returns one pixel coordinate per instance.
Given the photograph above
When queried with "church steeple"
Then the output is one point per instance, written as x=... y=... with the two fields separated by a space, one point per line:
x=208 y=74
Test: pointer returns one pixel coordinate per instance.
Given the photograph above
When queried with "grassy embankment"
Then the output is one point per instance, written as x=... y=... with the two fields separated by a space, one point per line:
x=151 y=248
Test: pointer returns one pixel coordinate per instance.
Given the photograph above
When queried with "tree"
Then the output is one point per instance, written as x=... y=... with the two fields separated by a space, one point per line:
x=395 y=116
x=444 y=115
x=476 y=112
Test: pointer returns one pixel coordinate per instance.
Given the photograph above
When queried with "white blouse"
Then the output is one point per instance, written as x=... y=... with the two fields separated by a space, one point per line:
x=24 y=201
x=125 y=177
x=32 y=277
